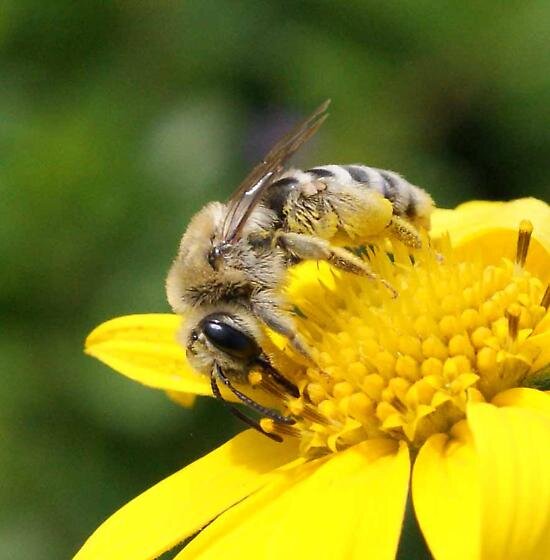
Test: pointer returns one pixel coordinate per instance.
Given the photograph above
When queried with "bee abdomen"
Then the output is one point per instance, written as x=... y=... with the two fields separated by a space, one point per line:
x=407 y=199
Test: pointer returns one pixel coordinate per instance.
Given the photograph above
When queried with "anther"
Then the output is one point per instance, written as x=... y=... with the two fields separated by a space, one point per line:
x=513 y=314
x=272 y=427
x=545 y=301
x=524 y=238
x=398 y=405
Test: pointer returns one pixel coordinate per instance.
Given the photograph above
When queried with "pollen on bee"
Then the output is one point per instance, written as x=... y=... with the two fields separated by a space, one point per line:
x=255 y=378
x=522 y=245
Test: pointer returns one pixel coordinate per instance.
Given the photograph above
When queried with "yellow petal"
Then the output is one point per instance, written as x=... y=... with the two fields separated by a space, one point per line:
x=350 y=505
x=513 y=448
x=144 y=348
x=445 y=489
x=486 y=493
x=542 y=341
x=524 y=398
x=180 y=505
x=490 y=229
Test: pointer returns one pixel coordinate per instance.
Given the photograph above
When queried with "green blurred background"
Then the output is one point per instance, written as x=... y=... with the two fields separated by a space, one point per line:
x=120 y=120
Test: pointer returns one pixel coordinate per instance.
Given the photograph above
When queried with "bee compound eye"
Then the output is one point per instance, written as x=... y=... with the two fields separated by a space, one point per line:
x=229 y=339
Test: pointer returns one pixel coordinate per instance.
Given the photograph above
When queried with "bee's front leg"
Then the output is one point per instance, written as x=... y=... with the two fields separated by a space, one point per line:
x=269 y=309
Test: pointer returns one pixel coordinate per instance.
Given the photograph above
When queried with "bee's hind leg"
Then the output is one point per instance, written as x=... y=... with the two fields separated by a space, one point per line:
x=309 y=247
x=404 y=231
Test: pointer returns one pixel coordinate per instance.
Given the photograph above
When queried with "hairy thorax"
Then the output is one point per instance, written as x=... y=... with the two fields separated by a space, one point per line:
x=247 y=266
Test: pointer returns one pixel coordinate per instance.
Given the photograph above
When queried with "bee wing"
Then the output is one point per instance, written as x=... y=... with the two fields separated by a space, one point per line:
x=248 y=194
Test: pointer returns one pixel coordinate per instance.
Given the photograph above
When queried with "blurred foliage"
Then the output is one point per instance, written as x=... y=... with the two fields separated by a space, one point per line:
x=121 y=119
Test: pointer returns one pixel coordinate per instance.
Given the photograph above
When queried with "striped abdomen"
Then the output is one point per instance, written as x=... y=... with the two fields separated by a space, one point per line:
x=408 y=201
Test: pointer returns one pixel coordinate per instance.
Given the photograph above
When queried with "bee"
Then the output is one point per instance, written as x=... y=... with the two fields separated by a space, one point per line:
x=232 y=261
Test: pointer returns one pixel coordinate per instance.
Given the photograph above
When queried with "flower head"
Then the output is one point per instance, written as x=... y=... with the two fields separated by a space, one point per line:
x=439 y=377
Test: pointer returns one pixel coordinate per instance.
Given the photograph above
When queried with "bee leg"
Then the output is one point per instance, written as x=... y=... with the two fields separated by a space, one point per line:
x=267 y=307
x=405 y=232
x=236 y=412
x=263 y=410
x=309 y=247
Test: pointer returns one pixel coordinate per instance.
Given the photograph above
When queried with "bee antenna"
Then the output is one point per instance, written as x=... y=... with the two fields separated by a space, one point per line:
x=236 y=412
x=263 y=410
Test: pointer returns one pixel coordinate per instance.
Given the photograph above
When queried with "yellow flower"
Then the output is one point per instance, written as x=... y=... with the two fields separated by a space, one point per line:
x=430 y=390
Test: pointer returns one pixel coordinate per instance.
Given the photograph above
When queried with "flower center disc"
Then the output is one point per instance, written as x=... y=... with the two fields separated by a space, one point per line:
x=405 y=367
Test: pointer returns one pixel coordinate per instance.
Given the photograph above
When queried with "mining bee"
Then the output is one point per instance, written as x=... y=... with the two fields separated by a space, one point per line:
x=232 y=261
